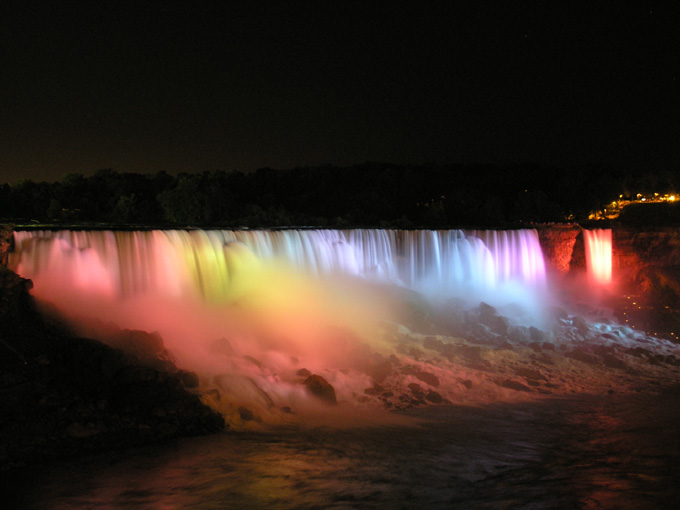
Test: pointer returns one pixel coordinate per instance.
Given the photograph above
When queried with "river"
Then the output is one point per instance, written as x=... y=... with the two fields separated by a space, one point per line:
x=586 y=451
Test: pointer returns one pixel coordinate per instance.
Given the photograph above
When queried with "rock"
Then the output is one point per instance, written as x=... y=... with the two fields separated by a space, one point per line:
x=375 y=390
x=433 y=343
x=428 y=378
x=254 y=361
x=417 y=391
x=6 y=242
x=434 y=397
x=303 y=372
x=222 y=346
x=486 y=311
x=612 y=361
x=536 y=335
x=580 y=324
x=530 y=374
x=518 y=334
x=584 y=357
x=137 y=375
x=245 y=414
x=535 y=346
x=380 y=371
x=499 y=325
x=548 y=346
x=514 y=385
x=320 y=388
x=189 y=379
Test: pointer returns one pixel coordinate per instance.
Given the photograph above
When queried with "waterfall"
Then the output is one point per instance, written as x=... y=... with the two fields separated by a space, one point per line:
x=209 y=263
x=598 y=246
x=248 y=309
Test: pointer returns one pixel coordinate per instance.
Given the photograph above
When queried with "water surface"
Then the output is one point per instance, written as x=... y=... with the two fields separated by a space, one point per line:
x=611 y=451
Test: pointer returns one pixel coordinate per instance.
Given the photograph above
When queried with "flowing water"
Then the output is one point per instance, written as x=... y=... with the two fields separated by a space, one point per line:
x=580 y=452
x=278 y=301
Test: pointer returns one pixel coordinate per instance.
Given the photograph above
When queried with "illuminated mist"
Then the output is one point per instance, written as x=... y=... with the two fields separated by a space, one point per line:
x=249 y=310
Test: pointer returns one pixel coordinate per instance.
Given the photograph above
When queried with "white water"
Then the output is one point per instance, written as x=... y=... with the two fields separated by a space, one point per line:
x=324 y=300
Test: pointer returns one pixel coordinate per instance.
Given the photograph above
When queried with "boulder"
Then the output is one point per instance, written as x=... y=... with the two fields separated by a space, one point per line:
x=320 y=388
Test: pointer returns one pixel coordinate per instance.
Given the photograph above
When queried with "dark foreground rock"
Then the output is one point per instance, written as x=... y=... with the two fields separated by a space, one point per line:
x=62 y=396
x=320 y=388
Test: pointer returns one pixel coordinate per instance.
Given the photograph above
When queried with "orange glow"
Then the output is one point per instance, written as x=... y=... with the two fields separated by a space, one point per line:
x=598 y=244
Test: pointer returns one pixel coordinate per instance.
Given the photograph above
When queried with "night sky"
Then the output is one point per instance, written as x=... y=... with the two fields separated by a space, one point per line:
x=192 y=86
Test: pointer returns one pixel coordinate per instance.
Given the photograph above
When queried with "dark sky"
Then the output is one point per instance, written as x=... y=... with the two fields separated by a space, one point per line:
x=193 y=86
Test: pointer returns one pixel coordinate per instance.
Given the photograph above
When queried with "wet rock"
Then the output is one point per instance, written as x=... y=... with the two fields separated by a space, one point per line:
x=530 y=374
x=416 y=390
x=146 y=346
x=222 y=346
x=189 y=379
x=434 y=397
x=518 y=334
x=428 y=378
x=640 y=352
x=558 y=313
x=380 y=371
x=514 y=385
x=584 y=357
x=672 y=360
x=137 y=375
x=548 y=346
x=320 y=388
x=536 y=347
x=580 y=324
x=415 y=352
x=433 y=344
x=254 y=361
x=500 y=325
x=467 y=383
x=245 y=414
x=469 y=352
x=486 y=312
x=505 y=346
x=611 y=361
x=303 y=372
x=375 y=390
x=536 y=335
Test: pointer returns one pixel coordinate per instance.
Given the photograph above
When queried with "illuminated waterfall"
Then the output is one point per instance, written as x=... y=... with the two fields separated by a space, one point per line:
x=210 y=263
x=598 y=246
x=246 y=310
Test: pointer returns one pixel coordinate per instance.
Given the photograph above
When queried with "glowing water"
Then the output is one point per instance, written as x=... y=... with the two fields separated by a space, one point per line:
x=598 y=245
x=208 y=263
x=314 y=299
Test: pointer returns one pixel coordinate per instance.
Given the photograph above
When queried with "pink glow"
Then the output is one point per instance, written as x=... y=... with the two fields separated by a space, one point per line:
x=598 y=245
x=322 y=300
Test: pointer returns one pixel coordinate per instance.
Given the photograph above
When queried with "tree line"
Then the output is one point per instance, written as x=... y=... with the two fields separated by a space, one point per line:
x=368 y=195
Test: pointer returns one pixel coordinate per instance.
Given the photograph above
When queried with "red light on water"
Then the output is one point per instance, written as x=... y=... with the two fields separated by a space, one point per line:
x=598 y=244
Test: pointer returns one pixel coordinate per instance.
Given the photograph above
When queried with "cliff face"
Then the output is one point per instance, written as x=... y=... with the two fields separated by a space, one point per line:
x=61 y=396
x=634 y=251
x=559 y=246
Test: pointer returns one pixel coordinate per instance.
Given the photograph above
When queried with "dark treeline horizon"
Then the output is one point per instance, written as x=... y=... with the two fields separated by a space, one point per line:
x=368 y=195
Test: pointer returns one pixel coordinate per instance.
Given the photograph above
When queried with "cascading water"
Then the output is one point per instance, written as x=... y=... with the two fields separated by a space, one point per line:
x=290 y=299
x=207 y=262
x=598 y=246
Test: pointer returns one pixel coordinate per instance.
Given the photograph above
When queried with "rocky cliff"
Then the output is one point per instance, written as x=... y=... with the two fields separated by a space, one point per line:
x=61 y=396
